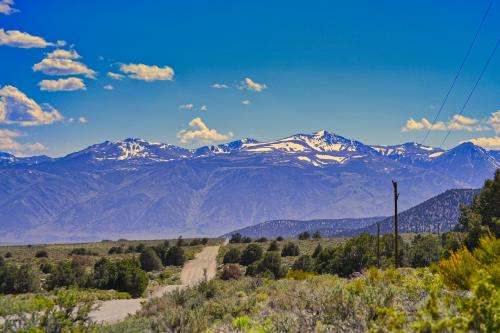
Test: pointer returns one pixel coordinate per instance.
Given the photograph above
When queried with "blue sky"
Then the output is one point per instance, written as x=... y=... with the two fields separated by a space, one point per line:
x=359 y=68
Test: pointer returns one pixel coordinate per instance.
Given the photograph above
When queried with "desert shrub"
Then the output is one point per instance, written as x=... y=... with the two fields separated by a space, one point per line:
x=235 y=238
x=317 y=251
x=41 y=254
x=261 y=240
x=304 y=235
x=130 y=278
x=316 y=235
x=2 y=261
x=141 y=247
x=161 y=251
x=290 y=250
x=175 y=256
x=424 y=251
x=82 y=260
x=115 y=250
x=251 y=253
x=272 y=263
x=180 y=241
x=233 y=256
x=150 y=261
x=8 y=255
x=204 y=241
x=299 y=275
x=130 y=249
x=451 y=241
x=46 y=266
x=231 y=271
x=279 y=238
x=67 y=274
x=81 y=251
x=195 y=241
x=463 y=267
x=304 y=263
x=19 y=279
x=273 y=246
x=105 y=274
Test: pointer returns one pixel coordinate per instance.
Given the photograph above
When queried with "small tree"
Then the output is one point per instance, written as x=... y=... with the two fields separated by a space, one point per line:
x=252 y=253
x=279 y=238
x=304 y=263
x=204 y=241
x=231 y=271
x=233 y=256
x=130 y=277
x=290 y=250
x=316 y=235
x=175 y=256
x=141 y=247
x=235 y=238
x=261 y=240
x=150 y=261
x=270 y=266
x=41 y=254
x=180 y=241
x=273 y=246
x=317 y=251
x=304 y=235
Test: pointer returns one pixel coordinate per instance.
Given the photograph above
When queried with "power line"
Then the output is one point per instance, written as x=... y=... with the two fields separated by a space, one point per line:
x=467 y=54
x=473 y=90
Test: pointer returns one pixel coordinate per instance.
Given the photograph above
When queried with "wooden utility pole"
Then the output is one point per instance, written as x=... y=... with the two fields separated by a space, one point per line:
x=378 y=244
x=396 y=196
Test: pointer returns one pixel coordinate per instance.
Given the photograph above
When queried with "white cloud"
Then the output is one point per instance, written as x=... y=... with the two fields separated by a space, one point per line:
x=204 y=108
x=63 y=54
x=148 y=73
x=6 y=7
x=115 y=76
x=494 y=121
x=246 y=102
x=62 y=66
x=187 y=106
x=16 y=38
x=9 y=142
x=486 y=142
x=199 y=132
x=219 y=86
x=82 y=120
x=457 y=123
x=17 y=108
x=108 y=87
x=69 y=84
x=249 y=84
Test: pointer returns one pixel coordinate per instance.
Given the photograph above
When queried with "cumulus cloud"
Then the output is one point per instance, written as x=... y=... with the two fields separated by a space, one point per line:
x=9 y=142
x=16 y=38
x=219 y=86
x=249 y=84
x=108 y=87
x=115 y=76
x=246 y=102
x=17 y=108
x=6 y=7
x=63 y=54
x=494 y=121
x=457 y=123
x=63 y=66
x=199 y=132
x=492 y=142
x=204 y=108
x=69 y=84
x=82 y=120
x=187 y=106
x=148 y=73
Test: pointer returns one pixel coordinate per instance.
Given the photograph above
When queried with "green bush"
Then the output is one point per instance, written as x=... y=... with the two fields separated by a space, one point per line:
x=252 y=253
x=273 y=246
x=317 y=251
x=424 y=251
x=130 y=278
x=175 y=256
x=41 y=254
x=8 y=255
x=67 y=274
x=18 y=279
x=304 y=263
x=105 y=274
x=233 y=256
x=290 y=250
x=150 y=261
x=115 y=250
x=316 y=235
x=304 y=235
x=261 y=240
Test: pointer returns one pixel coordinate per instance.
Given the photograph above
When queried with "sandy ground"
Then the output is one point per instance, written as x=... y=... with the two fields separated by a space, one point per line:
x=193 y=272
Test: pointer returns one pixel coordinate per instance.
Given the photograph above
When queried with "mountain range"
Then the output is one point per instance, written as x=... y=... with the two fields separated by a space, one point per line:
x=437 y=214
x=139 y=189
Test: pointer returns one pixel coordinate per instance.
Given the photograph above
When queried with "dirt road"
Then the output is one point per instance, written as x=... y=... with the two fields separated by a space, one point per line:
x=193 y=272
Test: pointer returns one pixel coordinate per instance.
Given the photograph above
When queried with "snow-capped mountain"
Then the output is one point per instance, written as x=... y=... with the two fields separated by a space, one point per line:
x=135 y=188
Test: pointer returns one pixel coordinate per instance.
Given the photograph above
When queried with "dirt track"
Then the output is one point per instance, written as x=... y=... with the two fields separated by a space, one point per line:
x=192 y=273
